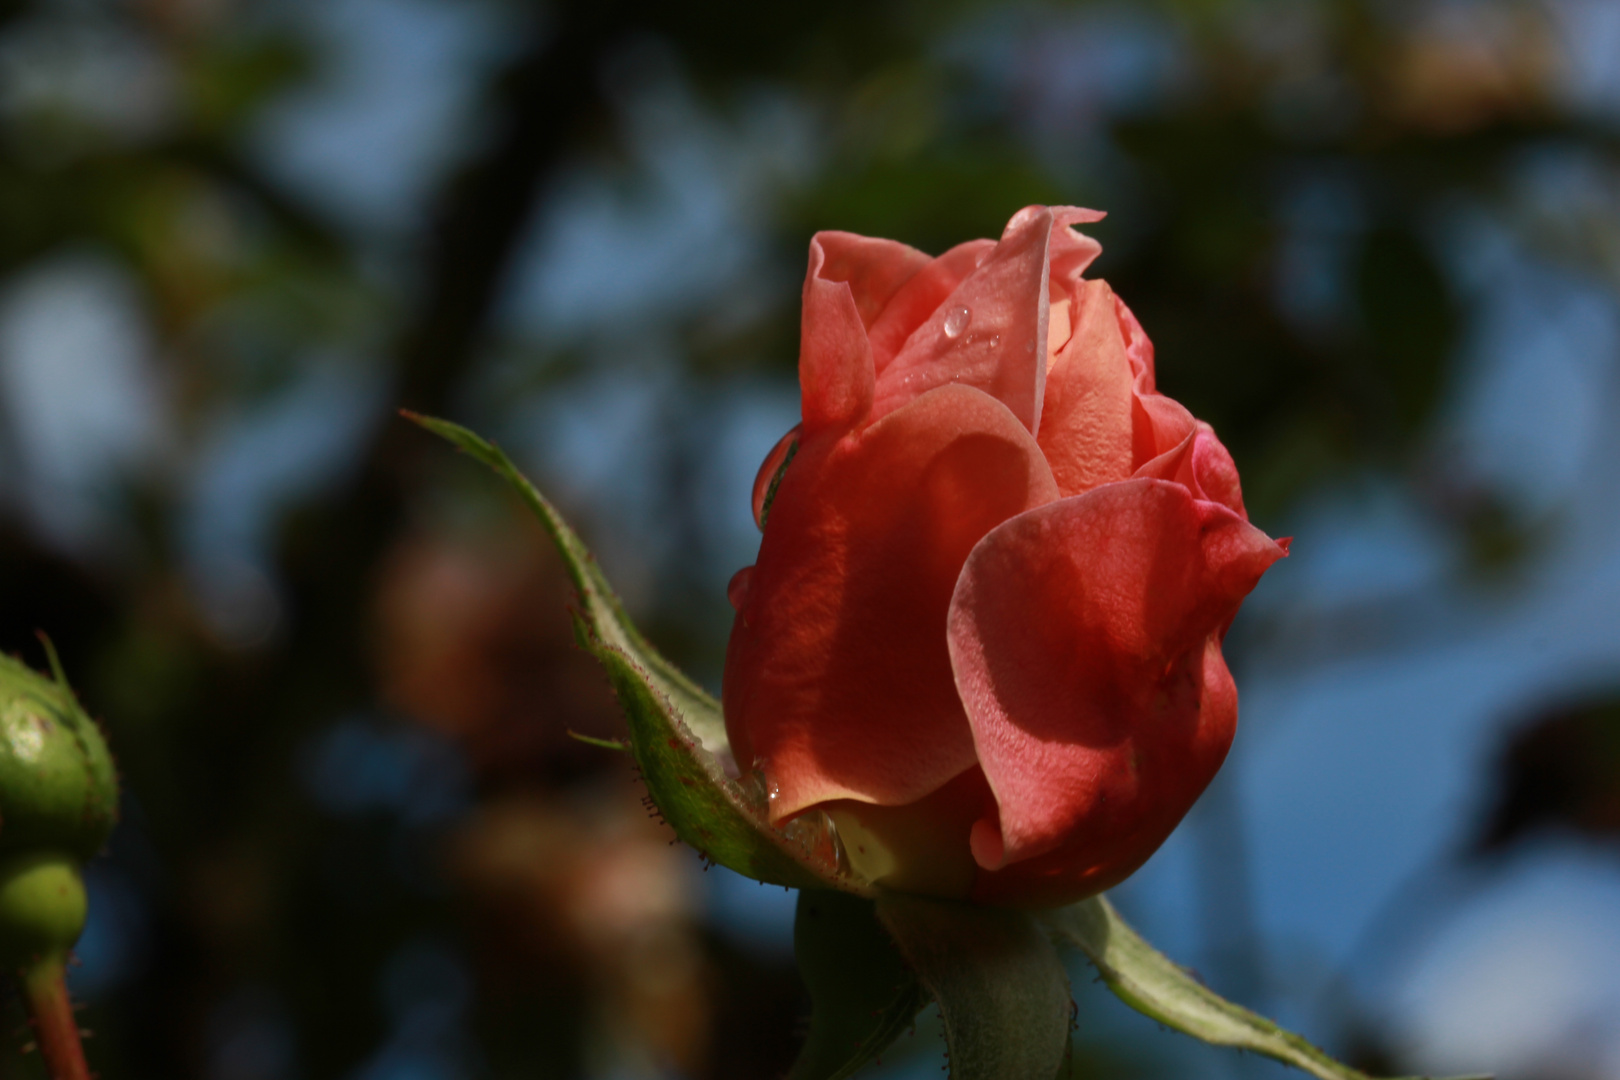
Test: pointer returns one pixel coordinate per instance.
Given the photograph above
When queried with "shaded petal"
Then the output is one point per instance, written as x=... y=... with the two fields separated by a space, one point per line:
x=999 y=347
x=874 y=269
x=1077 y=869
x=921 y=847
x=920 y=296
x=835 y=360
x=1084 y=639
x=1086 y=421
x=837 y=675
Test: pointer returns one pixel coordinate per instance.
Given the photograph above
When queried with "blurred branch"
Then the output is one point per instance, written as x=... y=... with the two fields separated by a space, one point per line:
x=549 y=96
x=546 y=98
x=271 y=702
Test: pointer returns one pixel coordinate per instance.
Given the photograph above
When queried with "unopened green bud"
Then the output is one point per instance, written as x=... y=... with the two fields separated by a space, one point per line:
x=58 y=788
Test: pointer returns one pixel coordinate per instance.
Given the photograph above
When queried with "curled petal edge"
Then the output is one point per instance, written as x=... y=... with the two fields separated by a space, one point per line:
x=1077 y=627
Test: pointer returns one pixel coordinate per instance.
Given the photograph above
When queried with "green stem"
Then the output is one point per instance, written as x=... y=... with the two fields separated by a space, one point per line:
x=50 y=1014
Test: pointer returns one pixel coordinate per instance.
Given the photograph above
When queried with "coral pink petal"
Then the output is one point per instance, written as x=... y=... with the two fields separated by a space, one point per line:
x=1174 y=464
x=1078 y=868
x=1072 y=252
x=920 y=296
x=1138 y=347
x=838 y=678
x=1086 y=421
x=835 y=360
x=874 y=269
x=1081 y=641
x=1158 y=425
x=1201 y=464
x=1215 y=475
x=990 y=333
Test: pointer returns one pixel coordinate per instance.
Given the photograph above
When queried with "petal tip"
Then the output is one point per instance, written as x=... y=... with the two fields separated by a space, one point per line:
x=1025 y=218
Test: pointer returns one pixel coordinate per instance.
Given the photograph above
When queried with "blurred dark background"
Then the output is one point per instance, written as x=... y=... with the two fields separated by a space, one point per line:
x=1377 y=245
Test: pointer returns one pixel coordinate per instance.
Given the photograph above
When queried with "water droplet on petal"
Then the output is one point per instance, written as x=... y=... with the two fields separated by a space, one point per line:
x=956 y=321
x=737 y=590
x=770 y=474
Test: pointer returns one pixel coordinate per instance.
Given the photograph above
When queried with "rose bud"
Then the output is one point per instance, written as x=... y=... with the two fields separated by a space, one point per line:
x=984 y=629
x=58 y=803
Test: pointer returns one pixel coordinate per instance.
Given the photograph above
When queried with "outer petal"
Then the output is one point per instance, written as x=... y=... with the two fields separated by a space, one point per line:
x=837 y=679
x=1086 y=422
x=989 y=333
x=1084 y=640
x=835 y=361
x=1081 y=868
x=874 y=269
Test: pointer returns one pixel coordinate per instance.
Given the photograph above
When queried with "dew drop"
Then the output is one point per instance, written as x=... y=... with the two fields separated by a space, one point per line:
x=753 y=787
x=770 y=474
x=737 y=590
x=956 y=321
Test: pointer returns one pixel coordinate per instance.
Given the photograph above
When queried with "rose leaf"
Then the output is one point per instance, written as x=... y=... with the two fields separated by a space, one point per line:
x=1149 y=982
x=677 y=732
x=862 y=994
x=1001 y=988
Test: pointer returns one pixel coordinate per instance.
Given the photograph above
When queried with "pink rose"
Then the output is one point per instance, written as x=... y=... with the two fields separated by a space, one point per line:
x=984 y=631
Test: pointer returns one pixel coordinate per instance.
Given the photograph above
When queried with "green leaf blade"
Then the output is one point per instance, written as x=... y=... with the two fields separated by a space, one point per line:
x=863 y=996
x=1001 y=988
x=677 y=731
x=1152 y=984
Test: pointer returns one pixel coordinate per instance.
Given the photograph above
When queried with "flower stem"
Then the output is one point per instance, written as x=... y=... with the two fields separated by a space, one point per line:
x=50 y=1014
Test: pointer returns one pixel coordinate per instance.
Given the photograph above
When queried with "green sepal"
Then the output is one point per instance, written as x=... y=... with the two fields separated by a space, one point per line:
x=677 y=733
x=1001 y=988
x=1149 y=982
x=862 y=995
x=58 y=787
